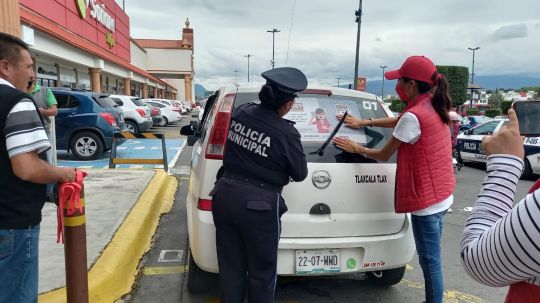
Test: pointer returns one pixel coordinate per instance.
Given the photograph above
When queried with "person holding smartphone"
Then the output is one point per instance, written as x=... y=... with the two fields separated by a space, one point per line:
x=500 y=243
x=425 y=174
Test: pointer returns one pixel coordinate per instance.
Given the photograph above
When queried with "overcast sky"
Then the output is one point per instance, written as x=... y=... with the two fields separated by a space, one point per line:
x=323 y=35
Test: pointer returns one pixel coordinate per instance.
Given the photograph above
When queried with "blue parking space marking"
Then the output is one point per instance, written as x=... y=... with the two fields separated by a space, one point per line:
x=133 y=148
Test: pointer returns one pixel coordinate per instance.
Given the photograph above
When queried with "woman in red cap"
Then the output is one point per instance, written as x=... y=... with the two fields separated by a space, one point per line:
x=424 y=178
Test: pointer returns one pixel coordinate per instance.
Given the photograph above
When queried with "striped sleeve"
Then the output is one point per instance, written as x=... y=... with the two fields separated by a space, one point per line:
x=24 y=131
x=500 y=244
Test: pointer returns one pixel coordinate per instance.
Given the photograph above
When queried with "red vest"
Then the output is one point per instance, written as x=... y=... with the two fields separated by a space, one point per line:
x=425 y=174
x=524 y=292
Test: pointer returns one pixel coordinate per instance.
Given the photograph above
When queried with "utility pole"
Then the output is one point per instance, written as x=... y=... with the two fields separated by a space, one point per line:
x=248 y=56
x=358 y=14
x=338 y=78
x=382 y=88
x=236 y=75
x=273 y=31
x=472 y=75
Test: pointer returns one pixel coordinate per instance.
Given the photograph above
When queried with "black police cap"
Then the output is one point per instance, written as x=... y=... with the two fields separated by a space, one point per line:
x=287 y=79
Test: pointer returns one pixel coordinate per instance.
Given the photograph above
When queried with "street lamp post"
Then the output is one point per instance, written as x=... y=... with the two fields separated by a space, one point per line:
x=273 y=31
x=248 y=56
x=338 y=78
x=382 y=88
x=358 y=14
x=472 y=75
x=236 y=75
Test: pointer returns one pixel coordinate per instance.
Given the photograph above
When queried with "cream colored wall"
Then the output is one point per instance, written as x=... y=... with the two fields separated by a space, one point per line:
x=138 y=56
x=179 y=85
x=174 y=60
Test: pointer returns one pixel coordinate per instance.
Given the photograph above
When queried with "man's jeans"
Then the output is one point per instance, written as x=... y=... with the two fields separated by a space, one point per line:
x=427 y=235
x=19 y=265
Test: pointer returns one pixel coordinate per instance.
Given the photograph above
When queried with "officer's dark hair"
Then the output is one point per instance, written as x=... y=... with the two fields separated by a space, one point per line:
x=273 y=98
x=10 y=47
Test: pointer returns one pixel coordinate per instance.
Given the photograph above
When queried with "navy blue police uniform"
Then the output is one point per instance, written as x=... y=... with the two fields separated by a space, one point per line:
x=263 y=153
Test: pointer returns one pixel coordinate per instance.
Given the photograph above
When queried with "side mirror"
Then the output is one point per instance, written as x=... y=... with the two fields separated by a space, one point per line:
x=195 y=124
x=188 y=130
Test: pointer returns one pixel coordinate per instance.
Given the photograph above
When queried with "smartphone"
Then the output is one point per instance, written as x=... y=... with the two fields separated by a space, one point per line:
x=528 y=114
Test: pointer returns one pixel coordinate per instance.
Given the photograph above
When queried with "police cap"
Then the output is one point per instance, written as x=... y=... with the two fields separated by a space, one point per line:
x=286 y=79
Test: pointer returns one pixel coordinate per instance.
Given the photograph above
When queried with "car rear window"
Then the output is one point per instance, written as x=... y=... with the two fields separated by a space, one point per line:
x=138 y=101
x=105 y=101
x=315 y=119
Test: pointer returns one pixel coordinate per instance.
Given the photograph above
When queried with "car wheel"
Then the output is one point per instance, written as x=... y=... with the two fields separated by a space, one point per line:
x=527 y=171
x=198 y=279
x=164 y=121
x=132 y=127
x=387 y=277
x=86 y=146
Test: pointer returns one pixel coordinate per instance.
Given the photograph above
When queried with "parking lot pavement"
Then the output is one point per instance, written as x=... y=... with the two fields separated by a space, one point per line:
x=132 y=148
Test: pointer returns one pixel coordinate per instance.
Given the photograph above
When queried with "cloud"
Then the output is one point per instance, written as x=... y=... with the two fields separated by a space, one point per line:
x=510 y=32
x=537 y=26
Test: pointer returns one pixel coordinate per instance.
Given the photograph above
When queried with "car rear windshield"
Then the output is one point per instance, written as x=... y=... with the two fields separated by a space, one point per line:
x=105 y=101
x=138 y=101
x=315 y=119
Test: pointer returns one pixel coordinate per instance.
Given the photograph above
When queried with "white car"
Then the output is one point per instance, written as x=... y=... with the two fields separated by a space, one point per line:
x=343 y=211
x=169 y=115
x=136 y=114
x=471 y=149
x=176 y=106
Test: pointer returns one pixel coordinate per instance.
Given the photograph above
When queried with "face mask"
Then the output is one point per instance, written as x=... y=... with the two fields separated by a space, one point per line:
x=401 y=93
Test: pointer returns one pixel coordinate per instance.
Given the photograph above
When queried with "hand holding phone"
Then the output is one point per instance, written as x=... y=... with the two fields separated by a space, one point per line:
x=528 y=115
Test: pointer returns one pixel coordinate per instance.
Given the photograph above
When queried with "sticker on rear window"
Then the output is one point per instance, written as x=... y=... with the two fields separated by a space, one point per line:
x=315 y=120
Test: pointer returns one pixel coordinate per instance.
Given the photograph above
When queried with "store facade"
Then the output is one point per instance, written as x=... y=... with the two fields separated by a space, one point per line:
x=87 y=45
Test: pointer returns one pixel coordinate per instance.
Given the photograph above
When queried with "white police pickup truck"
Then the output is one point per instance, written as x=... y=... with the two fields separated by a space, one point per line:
x=471 y=149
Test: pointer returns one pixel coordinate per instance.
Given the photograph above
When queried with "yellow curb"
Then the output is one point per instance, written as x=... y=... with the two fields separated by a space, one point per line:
x=115 y=271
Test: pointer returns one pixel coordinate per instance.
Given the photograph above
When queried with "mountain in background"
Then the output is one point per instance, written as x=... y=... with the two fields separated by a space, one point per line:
x=486 y=82
x=200 y=91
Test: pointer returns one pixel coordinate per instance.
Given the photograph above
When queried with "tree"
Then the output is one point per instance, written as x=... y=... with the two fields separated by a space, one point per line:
x=458 y=78
x=495 y=100
x=397 y=105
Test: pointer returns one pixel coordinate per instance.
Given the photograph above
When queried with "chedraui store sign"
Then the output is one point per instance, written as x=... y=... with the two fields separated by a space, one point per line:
x=98 y=12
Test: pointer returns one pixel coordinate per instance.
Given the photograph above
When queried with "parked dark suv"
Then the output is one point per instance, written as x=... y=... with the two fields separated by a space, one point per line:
x=86 y=122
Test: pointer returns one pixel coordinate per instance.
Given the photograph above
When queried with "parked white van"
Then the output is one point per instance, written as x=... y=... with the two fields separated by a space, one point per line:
x=343 y=211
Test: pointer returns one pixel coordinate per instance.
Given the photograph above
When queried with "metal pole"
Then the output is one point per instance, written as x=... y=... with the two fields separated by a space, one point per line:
x=236 y=76
x=248 y=56
x=338 y=78
x=358 y=14
x=273 y=31
x=472 y=75
x=75 y=253
x=382 y=88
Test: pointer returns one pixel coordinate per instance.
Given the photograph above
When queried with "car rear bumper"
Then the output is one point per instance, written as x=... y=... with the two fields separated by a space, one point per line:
x=369 y=253
x=146 y=125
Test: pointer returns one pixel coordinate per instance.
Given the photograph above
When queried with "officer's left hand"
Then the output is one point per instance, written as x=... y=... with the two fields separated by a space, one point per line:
x=347 y=145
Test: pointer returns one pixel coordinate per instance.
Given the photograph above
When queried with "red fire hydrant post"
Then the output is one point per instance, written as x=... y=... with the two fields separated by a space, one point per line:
x=74 y=229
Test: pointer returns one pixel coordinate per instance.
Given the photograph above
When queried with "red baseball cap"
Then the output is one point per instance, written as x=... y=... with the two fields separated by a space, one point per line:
x=417 y=68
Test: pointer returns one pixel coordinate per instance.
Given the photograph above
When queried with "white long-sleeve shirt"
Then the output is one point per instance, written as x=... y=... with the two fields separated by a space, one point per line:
x=500 y=244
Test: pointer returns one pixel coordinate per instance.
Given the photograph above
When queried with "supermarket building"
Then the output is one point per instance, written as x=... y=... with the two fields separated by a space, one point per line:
x=87 y=44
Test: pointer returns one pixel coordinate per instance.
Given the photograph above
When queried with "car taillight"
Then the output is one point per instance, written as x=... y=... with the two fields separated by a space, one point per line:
x=220 y=129
x=141 y=112
x=176 y=109
x=109 y=118
x=204 y=204
x=155 y=111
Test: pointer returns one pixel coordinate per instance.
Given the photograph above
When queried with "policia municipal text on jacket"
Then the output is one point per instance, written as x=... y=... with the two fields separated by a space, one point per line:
x=247 y=202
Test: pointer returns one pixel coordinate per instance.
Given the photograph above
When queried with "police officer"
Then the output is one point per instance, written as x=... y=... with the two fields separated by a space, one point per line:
x=263 y=152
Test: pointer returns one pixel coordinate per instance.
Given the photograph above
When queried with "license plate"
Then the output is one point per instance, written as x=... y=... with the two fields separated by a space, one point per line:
x=317 y=261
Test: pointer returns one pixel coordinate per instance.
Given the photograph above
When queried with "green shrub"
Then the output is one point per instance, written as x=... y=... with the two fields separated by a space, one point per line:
x=397 y=105
x=472 y=111
x=458 y=77
x=492 y=113
x=505 y=106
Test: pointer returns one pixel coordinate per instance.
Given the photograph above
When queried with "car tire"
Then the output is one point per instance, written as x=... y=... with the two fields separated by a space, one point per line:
x=132 y=127
x=164 y=121
x=86 y=145
x=387 y=277
x=527 y=171
x=198 y=279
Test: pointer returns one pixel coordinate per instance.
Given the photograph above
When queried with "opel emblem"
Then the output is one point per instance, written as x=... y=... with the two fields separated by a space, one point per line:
x=321 y=179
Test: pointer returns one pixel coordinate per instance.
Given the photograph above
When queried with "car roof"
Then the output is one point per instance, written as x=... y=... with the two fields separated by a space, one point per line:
x=254 y=88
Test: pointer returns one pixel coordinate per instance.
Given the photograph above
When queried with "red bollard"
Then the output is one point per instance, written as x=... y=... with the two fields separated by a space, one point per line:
x=74 y=230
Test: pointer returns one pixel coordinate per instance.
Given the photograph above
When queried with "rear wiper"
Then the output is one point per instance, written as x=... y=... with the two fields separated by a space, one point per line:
x=320 y=151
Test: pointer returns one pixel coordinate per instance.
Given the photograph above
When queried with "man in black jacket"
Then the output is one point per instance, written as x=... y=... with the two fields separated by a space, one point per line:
x=23 y=174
